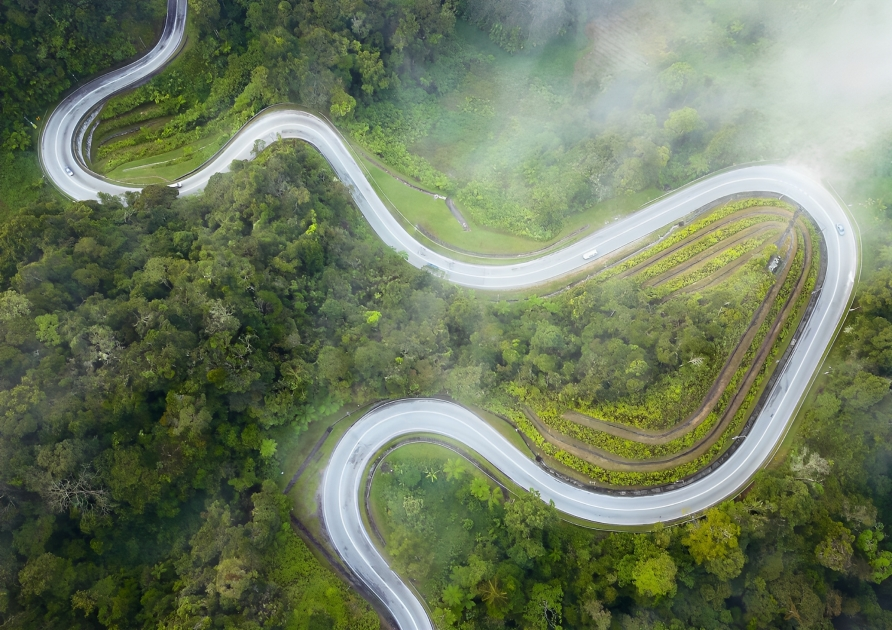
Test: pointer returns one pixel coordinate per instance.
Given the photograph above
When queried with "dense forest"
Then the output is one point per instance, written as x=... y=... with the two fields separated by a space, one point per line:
x=147 y=351
x=154 y=351
x=48 y=47
x=151 y=352
x=405 y=85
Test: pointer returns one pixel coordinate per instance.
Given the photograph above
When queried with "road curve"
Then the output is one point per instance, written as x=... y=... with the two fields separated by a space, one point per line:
x=62 y=134
x=59 y=149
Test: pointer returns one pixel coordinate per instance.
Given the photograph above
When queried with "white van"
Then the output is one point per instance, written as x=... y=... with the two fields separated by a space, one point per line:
x=591 y=254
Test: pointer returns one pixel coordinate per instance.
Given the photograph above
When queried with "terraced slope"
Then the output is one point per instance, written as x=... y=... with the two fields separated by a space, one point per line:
x=764 y=259
x=61 y=159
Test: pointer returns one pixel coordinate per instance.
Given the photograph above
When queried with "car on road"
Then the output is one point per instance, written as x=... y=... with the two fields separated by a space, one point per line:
x=69 y=172
x=840 y=229
x=176 y=185
x=591 y=254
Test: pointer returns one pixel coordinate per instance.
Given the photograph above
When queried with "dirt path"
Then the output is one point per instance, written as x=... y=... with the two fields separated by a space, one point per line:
x=727 y=372
x=611 y=461
x=699 y=260
x=706 y=231
x=784 y=242
x=457 y=214
x=374 y=160
x=726 y=272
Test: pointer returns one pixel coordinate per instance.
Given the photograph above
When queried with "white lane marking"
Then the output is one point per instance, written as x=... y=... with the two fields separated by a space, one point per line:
x=63 y=125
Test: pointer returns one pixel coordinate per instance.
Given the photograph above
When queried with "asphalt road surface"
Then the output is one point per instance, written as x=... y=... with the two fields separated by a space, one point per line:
x=62 y=135
x=60 y=148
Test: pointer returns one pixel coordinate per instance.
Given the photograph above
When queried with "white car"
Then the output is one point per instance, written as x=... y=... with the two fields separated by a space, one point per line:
x=69 y=172
x=840 y=229
x=176 y=185
x=591 y=254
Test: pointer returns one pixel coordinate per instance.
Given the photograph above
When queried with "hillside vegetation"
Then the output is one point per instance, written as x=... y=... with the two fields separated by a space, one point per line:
x=49 y=47
x=157 y=354
x=599 y=104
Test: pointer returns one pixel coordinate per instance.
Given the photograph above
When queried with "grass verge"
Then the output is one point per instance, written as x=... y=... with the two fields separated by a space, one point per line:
x=294 y=448
x=442 y=232
x=166 y=167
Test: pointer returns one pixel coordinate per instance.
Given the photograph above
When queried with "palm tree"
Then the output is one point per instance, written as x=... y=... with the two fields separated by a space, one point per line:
x=454 y=469
x=492 y=592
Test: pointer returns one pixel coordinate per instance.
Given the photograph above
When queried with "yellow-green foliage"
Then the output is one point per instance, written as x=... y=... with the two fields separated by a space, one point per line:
x=549 y=411
x=700 y=245
x=134 y=118
x=667 y=401
x=675 y=396
x=312 y=589
x=146 y=143
x=693 y=228
x=709 y=268
x=635 y=450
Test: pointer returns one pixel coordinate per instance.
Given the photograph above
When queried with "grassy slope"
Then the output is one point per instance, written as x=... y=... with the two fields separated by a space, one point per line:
x=451 y=537
x=167 y=167
x=495 y=116
x=158 y=167
x=419 y=209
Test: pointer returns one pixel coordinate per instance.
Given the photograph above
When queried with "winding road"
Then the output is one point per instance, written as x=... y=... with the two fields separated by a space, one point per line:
x=60 y=148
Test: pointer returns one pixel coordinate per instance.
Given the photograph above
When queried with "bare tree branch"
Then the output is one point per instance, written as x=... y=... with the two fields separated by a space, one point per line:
x=84 y=493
